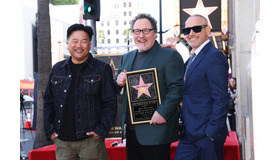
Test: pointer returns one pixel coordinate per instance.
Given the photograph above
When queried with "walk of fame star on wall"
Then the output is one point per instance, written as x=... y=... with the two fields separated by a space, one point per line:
x=200 y=9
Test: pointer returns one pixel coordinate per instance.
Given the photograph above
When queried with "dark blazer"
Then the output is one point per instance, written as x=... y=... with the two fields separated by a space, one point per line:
x=205 y=96
x=169 y=64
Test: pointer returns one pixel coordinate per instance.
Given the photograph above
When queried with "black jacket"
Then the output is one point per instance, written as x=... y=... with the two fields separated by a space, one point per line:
x=95 y=98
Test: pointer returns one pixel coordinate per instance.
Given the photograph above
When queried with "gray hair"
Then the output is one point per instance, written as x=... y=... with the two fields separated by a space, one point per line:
x=141 y=16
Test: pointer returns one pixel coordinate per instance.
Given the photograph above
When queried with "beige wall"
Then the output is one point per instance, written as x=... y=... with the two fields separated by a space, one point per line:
x=253 y=45
x=242 y=17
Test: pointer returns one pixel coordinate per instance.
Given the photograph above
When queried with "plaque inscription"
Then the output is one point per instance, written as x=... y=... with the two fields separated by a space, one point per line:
x=143 y=94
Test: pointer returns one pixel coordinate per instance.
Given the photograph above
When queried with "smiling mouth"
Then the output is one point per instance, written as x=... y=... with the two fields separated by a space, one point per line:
x=193 y=38
x=79 y=50
x=142 y=40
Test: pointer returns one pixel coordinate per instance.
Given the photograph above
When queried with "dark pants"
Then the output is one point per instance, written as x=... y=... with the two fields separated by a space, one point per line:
x=232 y=122
x=203 y=149
x=136 y=151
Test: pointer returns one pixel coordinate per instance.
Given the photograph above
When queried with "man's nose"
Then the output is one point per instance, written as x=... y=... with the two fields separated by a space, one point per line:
x=192 y=32
x=78 y=44
x=141 y=33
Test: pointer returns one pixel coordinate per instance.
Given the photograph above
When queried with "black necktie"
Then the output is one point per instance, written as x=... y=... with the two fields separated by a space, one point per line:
x=189 y=63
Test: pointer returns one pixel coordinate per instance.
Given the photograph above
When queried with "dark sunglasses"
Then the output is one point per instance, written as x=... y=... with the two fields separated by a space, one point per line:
x=196 y=29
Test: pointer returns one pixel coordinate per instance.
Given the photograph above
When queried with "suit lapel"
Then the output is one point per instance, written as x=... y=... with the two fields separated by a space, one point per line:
x=131 y=60
x=196 y=61
x=151 y=54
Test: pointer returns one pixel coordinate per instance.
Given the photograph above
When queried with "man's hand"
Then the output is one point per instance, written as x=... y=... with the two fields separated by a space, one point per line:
x=121 y=79
x=95 y=135
x=169 y=46
x=157 y=119
x=181 y=104
x=53 y=136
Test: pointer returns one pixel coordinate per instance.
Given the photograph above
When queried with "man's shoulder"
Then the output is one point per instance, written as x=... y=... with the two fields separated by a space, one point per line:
x=166 y=50
x=214 y=55
x=99 y=62
x=211 y=49
x=168 y=53
x=59 y=64
x=130 y=52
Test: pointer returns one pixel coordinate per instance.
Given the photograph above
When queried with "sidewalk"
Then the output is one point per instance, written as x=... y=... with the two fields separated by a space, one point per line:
x=27 y=136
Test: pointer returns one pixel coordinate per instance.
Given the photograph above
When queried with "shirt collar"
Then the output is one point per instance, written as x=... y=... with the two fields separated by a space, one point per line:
x=200 y=47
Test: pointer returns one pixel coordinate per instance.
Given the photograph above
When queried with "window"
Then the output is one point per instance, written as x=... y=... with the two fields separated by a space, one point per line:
x=108 y=41
x=117 y=40
x=102 y=23
x=129 y=4
x=124 y=22
x=108 y=32
x=130 y=13
x=117 y=31
x=124 y=13
x=124 y=4
x=31 y=92
x=117 y=22
x=25 y=91
x=108 y=23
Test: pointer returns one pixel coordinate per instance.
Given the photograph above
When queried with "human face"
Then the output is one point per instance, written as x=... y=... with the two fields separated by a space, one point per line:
x=144 y=42
x=79 y=45
x=196 y=39
x=232 y=82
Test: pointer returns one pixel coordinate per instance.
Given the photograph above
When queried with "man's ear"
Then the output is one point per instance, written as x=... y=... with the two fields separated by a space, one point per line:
x=208 y=29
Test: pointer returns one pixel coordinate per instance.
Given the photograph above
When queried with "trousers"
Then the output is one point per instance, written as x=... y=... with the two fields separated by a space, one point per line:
x=136 y=151
x=86 y=149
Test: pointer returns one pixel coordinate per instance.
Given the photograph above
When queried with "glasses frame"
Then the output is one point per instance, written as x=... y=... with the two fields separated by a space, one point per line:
x=196 y=29
x=147 y=30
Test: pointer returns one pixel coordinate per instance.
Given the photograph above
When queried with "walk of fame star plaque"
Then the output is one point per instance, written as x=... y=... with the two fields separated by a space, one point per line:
x=143 y=94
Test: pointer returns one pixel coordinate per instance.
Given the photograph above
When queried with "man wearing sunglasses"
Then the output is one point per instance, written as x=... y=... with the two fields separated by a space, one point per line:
x=205 y=96
x=151 y=141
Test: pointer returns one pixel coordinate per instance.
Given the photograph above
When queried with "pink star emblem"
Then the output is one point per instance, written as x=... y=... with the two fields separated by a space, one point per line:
x=142 y=88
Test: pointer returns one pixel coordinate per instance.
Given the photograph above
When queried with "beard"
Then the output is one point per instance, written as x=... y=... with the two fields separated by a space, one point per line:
x=143 y=44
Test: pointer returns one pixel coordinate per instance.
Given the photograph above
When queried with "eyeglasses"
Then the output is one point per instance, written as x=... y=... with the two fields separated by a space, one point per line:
x=196 y=29
x=138 y=31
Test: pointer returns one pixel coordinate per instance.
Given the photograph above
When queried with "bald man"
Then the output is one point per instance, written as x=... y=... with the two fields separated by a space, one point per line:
x=205 y=96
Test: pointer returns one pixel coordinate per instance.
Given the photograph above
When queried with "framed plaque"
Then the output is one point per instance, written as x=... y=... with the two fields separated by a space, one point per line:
x=143 y=94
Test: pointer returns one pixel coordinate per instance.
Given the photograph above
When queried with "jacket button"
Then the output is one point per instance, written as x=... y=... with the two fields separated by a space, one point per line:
x=58 y=121
x=61 y=106
x=70 y=76
x=65 y=90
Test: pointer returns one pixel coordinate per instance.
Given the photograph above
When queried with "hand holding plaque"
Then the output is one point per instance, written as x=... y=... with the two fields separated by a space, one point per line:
x=143 y=95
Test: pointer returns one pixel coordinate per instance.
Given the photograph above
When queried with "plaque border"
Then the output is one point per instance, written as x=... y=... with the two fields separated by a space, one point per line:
x=154 y=70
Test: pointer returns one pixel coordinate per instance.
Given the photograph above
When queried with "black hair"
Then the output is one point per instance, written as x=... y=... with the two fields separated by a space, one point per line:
x=80 y=27
x=141 y=16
